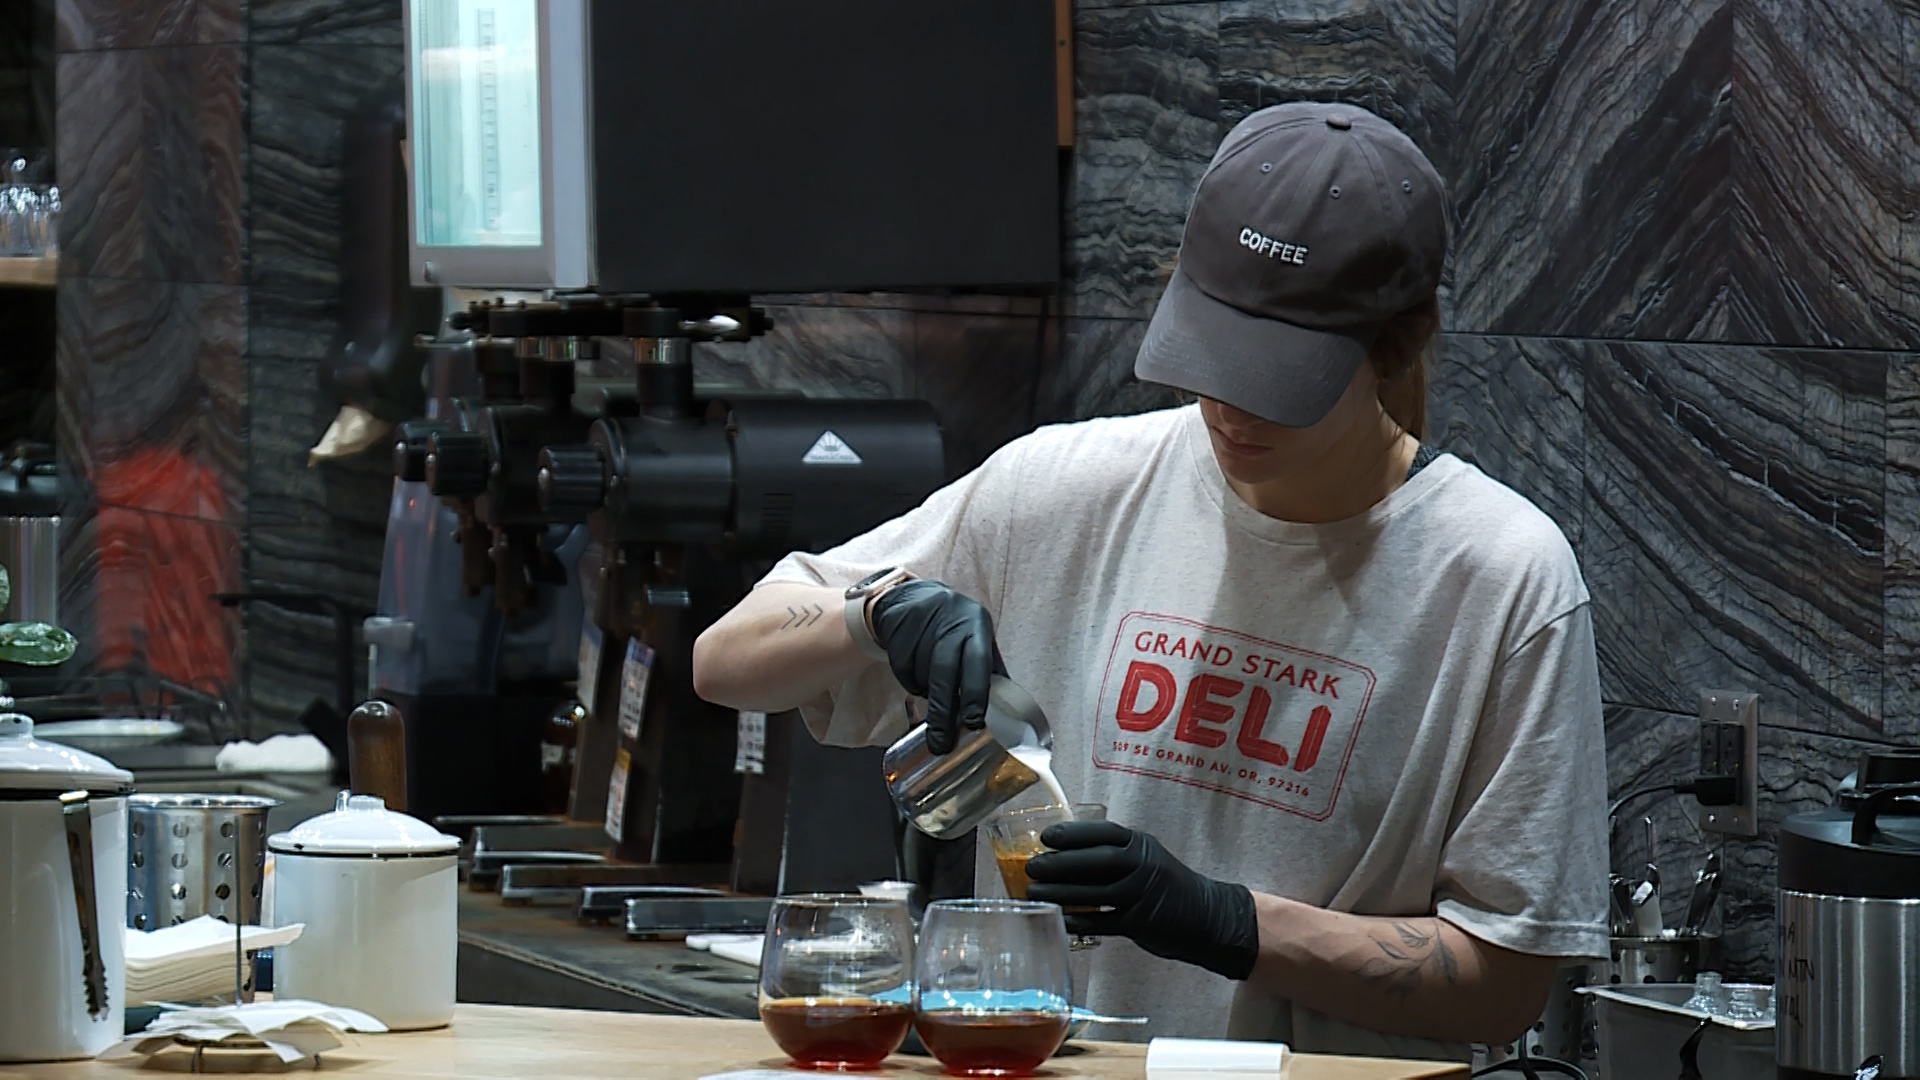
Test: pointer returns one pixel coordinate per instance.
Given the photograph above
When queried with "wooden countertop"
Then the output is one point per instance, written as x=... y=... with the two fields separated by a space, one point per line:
x=488 y=1041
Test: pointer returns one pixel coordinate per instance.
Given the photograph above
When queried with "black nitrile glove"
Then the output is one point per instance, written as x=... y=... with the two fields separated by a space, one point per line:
x=940 y=646
x=1155 y=899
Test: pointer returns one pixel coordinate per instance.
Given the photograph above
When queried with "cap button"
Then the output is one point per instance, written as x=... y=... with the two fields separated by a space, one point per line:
x=1339 y=122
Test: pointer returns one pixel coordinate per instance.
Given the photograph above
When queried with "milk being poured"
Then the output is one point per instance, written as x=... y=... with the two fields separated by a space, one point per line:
x=1039 y=759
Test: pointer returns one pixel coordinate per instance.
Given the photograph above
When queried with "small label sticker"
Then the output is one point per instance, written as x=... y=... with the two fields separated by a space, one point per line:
x=830 y=449
x=634 y=673
x=750 y=745
x=617 y=795
x=589 y=677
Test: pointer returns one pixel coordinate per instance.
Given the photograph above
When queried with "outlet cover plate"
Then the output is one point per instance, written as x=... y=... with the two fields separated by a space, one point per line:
x=1743 y=708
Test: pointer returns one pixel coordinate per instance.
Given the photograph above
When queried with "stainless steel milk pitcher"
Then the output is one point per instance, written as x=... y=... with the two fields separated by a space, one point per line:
x=946 y=795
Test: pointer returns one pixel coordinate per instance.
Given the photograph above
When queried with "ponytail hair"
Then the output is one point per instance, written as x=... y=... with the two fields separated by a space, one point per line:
x=1400 y=354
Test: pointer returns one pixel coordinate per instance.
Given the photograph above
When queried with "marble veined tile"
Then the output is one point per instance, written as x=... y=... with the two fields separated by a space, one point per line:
x=1591 y=177
x=1393 y=57
x=1513 y=406
x=324 y=22
x=1094 y=373
x=820 y=351
x=1733 y=528
x=153 y=394
x=301 y=98
x=982 y=374
x=137 y=24
x=151 y=160
x=1825 y=150
x=291 y=655
x=1902 y=559
x=1147 y=120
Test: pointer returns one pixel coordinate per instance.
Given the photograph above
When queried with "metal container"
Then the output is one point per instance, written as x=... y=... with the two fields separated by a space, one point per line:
x=30 y=550
x=1669 y=958
x=1849 y=925
x=63 y=862
x=945 y=795
x=378 y=894
x=194 y=855
x=1644 y=1028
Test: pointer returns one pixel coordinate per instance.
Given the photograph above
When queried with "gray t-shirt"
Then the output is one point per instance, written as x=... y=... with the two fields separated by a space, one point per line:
x=1395 y=714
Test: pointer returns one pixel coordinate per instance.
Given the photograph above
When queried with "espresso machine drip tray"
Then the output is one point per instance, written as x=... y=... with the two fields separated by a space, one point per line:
x=650 y=917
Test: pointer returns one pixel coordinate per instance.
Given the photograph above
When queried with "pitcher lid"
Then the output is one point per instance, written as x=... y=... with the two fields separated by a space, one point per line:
x=30 y=764
x=362 y=825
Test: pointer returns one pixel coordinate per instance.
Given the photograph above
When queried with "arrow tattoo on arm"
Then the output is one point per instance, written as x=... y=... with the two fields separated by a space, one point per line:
x=802 y=616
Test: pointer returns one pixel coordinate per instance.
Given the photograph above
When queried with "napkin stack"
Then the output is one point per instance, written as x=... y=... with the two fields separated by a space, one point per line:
x=740 y=948
x=292 y=1030
x=191 y=961
x=1215 y=1059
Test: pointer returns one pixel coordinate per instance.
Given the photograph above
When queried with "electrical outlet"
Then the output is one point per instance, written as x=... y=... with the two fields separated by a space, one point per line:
x=1729 y=741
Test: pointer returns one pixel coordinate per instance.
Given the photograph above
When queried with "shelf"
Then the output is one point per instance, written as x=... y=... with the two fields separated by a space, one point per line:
x=32 y=273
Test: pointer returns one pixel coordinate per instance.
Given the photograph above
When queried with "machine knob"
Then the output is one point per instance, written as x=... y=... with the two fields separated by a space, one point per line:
x=456 y=464
x=410 y=449
x=573 y=480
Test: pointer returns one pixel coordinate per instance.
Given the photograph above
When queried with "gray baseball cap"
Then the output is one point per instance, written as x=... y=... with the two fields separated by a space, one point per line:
x=1314 y=224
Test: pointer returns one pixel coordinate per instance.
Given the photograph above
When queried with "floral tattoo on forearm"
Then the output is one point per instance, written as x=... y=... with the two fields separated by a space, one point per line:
x=1407 y=951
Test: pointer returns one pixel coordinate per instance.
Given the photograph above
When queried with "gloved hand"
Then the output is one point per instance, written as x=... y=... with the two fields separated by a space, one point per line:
x=1155 y=899
x=940 y=646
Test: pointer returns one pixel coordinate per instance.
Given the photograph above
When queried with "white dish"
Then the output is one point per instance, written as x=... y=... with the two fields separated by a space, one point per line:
x=103 y=735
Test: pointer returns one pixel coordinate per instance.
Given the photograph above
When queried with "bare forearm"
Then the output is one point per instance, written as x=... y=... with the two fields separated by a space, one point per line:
x=781 y=646
x=1416 y=976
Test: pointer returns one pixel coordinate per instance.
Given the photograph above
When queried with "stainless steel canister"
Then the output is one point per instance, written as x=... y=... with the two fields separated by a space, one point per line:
x=1848 y=981
x=1849 y=984
x=30 y=550
x=194 y=855
x=1664 y=959
x=945 y=795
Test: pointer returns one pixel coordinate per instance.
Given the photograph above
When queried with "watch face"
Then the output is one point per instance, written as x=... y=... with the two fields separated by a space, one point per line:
x=868 y=582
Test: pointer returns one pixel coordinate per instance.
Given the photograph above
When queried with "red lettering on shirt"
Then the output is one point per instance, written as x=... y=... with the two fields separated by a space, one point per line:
x=1250 y=742
x=1316 y=734
x=1278 y=731
x=1201 y=709
x=1141 y=674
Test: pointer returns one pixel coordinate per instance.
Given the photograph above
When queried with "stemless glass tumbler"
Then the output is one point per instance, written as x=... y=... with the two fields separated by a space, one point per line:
x=991 y=985
x=836 y=988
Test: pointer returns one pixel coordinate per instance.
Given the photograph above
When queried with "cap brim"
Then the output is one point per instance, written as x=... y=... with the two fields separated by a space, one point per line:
x=1290 y=375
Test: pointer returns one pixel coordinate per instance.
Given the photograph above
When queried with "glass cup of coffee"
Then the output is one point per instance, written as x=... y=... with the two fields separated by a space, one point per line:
x=836 y=979
x=1015 y=838
x=991 y=985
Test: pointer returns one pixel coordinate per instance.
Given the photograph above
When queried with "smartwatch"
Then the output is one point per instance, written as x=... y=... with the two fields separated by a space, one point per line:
x=859 y=594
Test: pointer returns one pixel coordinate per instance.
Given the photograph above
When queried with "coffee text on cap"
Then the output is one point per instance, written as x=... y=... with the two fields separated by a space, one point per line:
x=1274 y=249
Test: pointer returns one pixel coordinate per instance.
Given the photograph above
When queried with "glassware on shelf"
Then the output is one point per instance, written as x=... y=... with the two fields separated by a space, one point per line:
x=1749 y=1003
x=1708 y=993
x=836 y=989
x=991 y=985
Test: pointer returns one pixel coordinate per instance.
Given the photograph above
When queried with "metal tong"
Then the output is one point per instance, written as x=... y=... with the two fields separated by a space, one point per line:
x=1706 y=888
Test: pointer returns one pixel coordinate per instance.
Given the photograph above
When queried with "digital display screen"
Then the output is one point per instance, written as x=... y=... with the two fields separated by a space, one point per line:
x=476 y=123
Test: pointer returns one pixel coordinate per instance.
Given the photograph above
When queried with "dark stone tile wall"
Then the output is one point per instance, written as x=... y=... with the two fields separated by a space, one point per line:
x=315 y=529
x=1682 y=315
x=150 y=133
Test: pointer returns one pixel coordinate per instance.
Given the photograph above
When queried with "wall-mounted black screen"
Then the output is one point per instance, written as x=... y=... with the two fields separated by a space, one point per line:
x=782 y=146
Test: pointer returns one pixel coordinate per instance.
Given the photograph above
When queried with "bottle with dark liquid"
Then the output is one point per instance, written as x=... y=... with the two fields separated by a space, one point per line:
x=837 y=1033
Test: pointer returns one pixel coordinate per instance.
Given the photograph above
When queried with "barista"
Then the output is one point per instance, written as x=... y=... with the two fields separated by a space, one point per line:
x=1338 y=690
